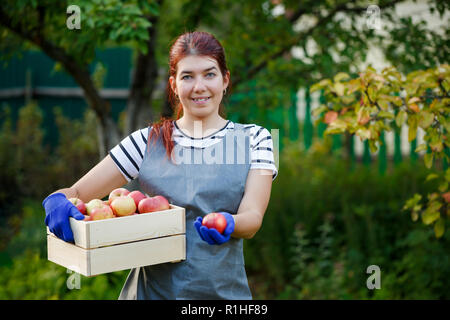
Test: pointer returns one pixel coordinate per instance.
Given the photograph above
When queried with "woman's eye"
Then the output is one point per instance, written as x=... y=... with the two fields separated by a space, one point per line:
x=184 y=77
x=211 y=74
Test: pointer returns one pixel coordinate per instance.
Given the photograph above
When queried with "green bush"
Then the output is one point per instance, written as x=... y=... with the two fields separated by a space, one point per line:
x=28 y=167
x=29 y=275
x=328 y=220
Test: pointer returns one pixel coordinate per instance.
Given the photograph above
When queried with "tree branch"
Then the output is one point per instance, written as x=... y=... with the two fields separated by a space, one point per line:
x=107 y=131
x=302 y=35
x=145 y=74
x=79 y=73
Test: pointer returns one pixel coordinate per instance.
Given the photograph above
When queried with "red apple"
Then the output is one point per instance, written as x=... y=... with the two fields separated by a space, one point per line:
x=104 y=212
x=94 y=203
x=81 y=206
x=137 y=196
x=123 y=206
x=215 y=220
x=119 y=192
x=152 y=204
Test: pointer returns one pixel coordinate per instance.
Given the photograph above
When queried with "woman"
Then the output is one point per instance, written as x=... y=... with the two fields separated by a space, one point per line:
x=201 y=162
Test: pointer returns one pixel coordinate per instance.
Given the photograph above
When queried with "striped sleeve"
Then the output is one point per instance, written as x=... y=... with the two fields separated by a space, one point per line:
x=129 y=153
x=262 y=153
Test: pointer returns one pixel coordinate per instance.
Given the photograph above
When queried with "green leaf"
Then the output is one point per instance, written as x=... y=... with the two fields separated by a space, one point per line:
x=443 y=186
x=320 y=85
x=431 y=214
x=412 y=202
x=439 y=228
x=421 y=147
x=436 y=143
x=340 y=76
x=383 y=104
x=386 y=114
x=373 y=146
x=363 y=133
x=401 y=118
x=372 y=93
x=432 y=176
x=339 y=89
x=317 y=111
x=412 y=129
x=426 y=119
x=428 y=159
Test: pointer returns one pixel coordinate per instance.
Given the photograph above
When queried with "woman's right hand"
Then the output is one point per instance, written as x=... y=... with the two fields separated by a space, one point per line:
x=58 y=210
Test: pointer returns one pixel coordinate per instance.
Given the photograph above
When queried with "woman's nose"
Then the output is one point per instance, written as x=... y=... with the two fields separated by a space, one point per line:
x=199 y=85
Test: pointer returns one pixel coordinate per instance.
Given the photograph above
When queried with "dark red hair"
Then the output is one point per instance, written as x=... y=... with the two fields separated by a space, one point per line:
x=190 y=43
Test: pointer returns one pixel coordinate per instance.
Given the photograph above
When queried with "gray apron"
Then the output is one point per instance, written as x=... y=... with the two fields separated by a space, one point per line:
x=202 y=180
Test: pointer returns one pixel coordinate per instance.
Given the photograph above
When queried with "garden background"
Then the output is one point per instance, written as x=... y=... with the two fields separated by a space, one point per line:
x=68 y=95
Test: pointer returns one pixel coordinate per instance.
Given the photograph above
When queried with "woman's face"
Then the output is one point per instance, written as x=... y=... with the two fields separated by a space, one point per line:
x=199 y=85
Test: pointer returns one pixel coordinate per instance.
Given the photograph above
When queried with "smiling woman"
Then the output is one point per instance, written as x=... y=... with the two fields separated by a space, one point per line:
x=197 y=71
x=226 y=168
x=204 y=86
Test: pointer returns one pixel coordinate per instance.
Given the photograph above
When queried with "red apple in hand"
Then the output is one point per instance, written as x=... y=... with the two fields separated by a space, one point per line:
x=123 y=206
x=81 y=206
x=116 y=193
x=137 y=196
x=152 y=204
x=104 y=212
x=215 y=220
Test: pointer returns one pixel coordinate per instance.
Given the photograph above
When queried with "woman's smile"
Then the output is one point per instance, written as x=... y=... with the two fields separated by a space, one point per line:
x=201 y=100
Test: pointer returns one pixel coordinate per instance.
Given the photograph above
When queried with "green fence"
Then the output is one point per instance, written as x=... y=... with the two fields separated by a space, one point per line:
x=33 y=76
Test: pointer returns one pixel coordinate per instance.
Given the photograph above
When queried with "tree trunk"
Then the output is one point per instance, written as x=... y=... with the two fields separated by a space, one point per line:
x=139 y=104
x=108 y=131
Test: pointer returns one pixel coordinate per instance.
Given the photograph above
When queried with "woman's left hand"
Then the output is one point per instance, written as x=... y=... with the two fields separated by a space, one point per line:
x=211 y=235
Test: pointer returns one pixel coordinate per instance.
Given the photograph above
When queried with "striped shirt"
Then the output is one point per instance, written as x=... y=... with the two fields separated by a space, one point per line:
x=129 y=153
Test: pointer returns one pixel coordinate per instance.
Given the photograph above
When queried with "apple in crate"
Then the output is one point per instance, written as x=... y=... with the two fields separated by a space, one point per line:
x=104 y=212
x=94 y=203
x=116 y=193
x=151 y=204
x=81 y=206
x=123 y=206
x=137 y=196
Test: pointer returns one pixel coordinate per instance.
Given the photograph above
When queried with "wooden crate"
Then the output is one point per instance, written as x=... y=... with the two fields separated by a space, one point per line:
x=121 y=243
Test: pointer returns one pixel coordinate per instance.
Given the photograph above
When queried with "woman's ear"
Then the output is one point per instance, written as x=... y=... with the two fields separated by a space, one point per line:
x=172 y=84
x=226 y=80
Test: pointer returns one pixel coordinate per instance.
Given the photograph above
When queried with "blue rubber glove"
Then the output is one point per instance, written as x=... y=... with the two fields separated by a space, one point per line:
x=57 y=212
x=211 y=235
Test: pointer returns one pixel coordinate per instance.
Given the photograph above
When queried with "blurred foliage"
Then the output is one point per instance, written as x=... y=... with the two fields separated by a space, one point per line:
x=102 y=22
x=30 y=170
x=26 y=273
x=380 y=102
x=328 y=220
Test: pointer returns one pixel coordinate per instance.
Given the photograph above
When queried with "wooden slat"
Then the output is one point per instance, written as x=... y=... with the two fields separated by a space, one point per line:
x=91 y=262
x=137 y=254
x=67 y=255
x=95 y=234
